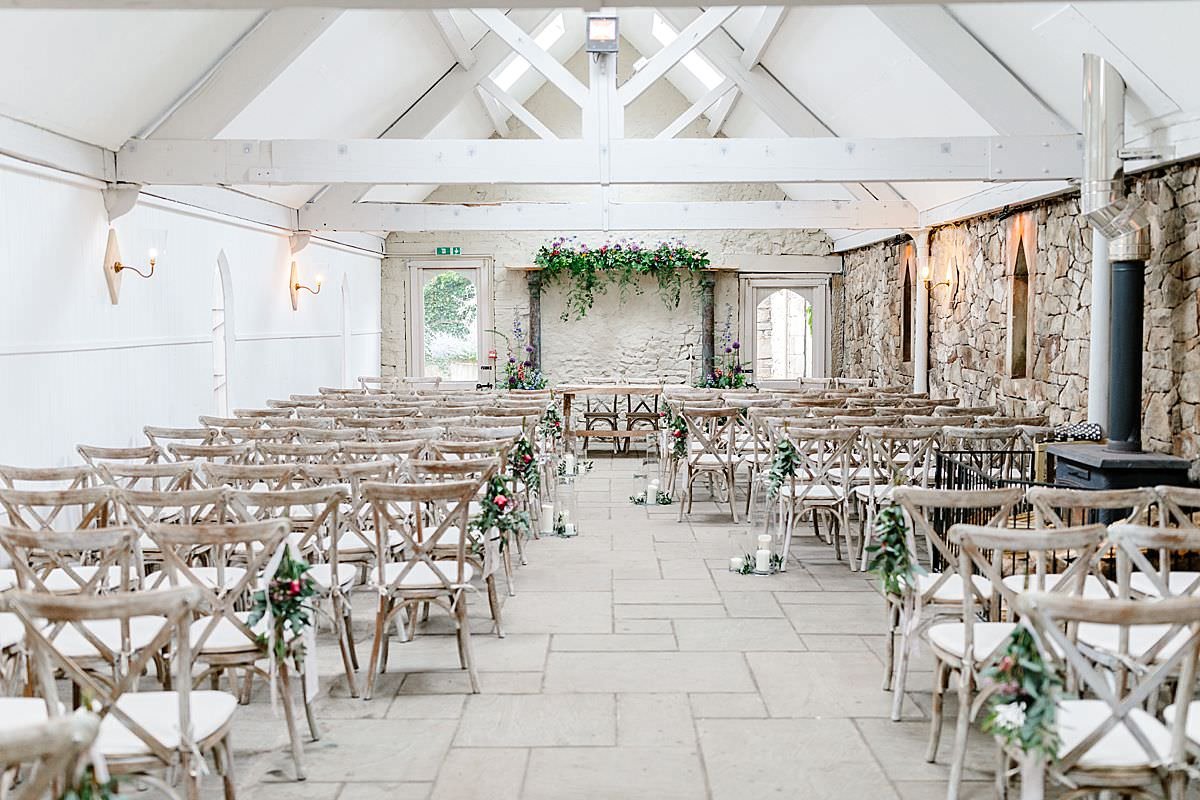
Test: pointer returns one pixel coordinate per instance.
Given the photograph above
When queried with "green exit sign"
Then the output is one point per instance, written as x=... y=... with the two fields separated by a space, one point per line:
x=449 y=251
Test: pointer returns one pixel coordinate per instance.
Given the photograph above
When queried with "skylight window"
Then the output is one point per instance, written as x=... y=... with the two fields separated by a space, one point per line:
x=693 y=62
x=511 y=72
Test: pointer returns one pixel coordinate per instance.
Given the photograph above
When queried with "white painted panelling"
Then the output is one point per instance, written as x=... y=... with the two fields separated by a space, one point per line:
x=101 y=76
x=78 y=369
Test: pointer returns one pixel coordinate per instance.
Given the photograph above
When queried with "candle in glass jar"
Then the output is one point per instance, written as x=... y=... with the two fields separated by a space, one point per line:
x=652 y=490
x=570 y=463
x=764 y=541
x=735 y=564
x=547 y=517
x=762 y=561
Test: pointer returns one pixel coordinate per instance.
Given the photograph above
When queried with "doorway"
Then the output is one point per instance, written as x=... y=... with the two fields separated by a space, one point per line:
x=449 y=311
x=785 y=332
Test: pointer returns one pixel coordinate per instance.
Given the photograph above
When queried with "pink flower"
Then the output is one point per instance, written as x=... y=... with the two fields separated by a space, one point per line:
x=295 y=588
x=501 y=501
x=528 y=458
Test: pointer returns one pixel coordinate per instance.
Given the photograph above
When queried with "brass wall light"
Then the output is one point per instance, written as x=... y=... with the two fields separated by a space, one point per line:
x=113 y=266
x=294 y=287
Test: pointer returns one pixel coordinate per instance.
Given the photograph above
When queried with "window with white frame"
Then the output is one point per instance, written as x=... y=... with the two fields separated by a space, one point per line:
x=448 y=315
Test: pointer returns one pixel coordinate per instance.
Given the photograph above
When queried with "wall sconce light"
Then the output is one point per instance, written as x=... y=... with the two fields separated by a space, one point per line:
x=114 y=266
x=294 y=287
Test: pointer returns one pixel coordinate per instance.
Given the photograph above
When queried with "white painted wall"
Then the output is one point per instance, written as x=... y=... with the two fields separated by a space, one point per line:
x=77 y=369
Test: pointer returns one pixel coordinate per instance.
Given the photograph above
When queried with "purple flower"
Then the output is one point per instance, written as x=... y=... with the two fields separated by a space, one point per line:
x=529 y=363
x=512 y=360
x=736 y=345
x=528 y=348
x=728 y=350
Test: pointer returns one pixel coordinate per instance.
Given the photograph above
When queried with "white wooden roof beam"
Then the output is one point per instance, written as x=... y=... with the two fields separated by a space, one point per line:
x=419 y=120
x=588 y=216
x=970 y=69
x=515 y=107
x=495 y=112
x=257 y=59
x=538 y=58
x=688 y=40
x=425 y=161
x=696 y=109
x=764 y=31
x=388 y=5
x=453 y=37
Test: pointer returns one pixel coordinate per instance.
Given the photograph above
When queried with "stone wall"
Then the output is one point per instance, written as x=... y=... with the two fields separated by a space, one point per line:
x=969 y=315
x=639 y=337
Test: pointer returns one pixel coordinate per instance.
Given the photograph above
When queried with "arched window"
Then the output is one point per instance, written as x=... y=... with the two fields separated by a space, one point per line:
x=1021 y=239
x=908 y=270
x=222 y=334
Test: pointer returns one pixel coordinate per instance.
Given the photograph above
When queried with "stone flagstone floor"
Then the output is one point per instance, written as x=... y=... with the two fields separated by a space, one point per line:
x=635 y=666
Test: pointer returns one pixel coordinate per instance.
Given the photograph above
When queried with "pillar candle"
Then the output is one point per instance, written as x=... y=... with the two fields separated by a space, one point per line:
x=762 y=561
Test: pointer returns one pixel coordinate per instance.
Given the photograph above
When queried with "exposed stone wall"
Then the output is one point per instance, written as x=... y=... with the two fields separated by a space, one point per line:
x=969 y=317
x=640 y=337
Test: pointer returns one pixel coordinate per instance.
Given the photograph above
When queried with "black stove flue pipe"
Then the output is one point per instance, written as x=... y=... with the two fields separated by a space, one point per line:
x=1127 y=256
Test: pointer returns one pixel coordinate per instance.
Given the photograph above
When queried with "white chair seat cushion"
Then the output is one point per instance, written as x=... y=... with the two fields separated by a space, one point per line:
x=422 y=576
x=71 y=642
x=1106 y=638
x=226 y=637
x=1093 y=586
x=1178 y=583
x=208 y=576
x=880 y=491
x=1193 y=719
x=21 y=712
x=351 y=543
x=8 y=579
x=11 y=630
x=804 y=492
x=853 y=474
x=1118 y=747
x=158 y=714
x=711 y=460
x=950 y=637
x=951 y=590
x=322 y=575
x=59 y=581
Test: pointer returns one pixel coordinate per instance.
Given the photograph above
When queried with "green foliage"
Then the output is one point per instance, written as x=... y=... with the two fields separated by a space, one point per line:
x=677 y=426
x=1024 y=694
x=783 y=466
x=89 y=788
x=450 y=305
x=891 y=559
x=523 y=463
x=550 y=428
x=749 y=563
x=662 y=498
x=286 y=593
x=591 y=271
x=499 y=510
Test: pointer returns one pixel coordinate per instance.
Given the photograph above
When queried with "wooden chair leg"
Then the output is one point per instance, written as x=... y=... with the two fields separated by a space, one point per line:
x=494 y=604
x=464 y=641
x=961 y=731
x=901 y=673
x=373 y=666
x=340 y=631
x=348 y=626
x=732 y=496
x=289 y=715
x=223 y=752
x=506 y=559
x=314 y=730
x=941 y=676
x=889 y=651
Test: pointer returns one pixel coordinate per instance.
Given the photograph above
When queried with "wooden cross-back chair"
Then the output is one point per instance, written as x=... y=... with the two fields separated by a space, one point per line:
x=427 y=432
x=399 y=452
x=60 y=509
x=51 y=753
x=160 y=436
x=271 y=476
x=1010 y=562
x=241 y=555
x=1146 y=557
x=87 y=562
x=220 y=423
x=312 y=514
x=243 y=453
x=1180 y=506
x=938 y=592
x=820 y=483
x=299 y=452
x=992 y=451
x=390 y=412
x=164 y=476
x=356 y=543
x=895 y=457
x=930 y=421
x=423 y=574
x=142 y=509
x=1110 y=741
x=1060 y=507
x=76 y=476
x=95 y=456
x=712 y=452
x=142 y=732
x=324 y=436
x=260 y=413
x=955 y=410
x=759 y=427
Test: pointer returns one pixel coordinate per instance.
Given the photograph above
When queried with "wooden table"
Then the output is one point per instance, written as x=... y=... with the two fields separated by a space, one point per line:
x=569 y=390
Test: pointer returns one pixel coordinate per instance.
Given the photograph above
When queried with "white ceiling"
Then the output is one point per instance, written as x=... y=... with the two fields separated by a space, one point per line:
x=103 y=77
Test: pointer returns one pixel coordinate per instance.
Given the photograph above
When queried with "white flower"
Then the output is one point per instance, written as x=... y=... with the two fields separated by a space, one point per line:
x=1009 y=716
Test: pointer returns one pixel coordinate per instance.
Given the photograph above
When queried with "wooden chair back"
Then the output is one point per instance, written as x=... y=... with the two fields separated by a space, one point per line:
x=164 y=476
x=83 y=562
x=60 y=509
x=160 y=436
x=94 y=455
x=35 y=478
x=1055 y=507
x=48 y=754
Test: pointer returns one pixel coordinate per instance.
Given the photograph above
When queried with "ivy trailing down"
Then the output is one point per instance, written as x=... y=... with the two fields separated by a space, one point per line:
x=1023 y=697
x=891 y=559
x=591 y=270
x=783 y=467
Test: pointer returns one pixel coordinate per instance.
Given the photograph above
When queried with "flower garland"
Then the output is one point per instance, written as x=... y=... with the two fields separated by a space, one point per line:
x=551 y=428
x=520 y=373
x=524 y=465
x=729 y=372
x=92 y=787
x=1023 y=704
x=891 y=559
x=286 y=593
x=783 y=466
x=591 y=270
x=679 y=435
x=499 y=510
